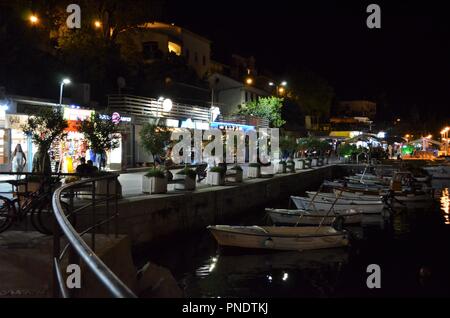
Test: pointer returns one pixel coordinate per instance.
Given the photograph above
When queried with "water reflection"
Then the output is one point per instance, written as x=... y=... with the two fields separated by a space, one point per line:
x=445 y=205
x=284 y=274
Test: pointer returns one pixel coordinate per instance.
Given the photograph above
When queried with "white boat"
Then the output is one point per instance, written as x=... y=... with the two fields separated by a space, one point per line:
x=344 y=195
x=357 y=195
x=368 y=207
x=288 y=238
x=438 y=172
x=354 y=186
x=354 y=179
x=304 y=217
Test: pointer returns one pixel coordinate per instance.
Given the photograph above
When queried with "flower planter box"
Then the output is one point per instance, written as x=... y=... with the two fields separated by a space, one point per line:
x=320 y=162
x=215 y=178
x=308 y=162
x=300 y=164
x=101 y=188
x=254 y=172
x=314 y=162
x=281 y=168
x=188 y=184
x=154 y=185
x=235 y=176
x=290 y=168
x=327 y=160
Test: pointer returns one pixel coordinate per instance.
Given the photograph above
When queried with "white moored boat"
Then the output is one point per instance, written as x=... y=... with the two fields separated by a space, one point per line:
x=279 y=237
x=344 y=195
x=303 y=217
x=368 y=207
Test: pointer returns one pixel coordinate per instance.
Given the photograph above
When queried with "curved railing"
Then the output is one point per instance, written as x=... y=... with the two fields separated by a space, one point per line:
x=77 y=248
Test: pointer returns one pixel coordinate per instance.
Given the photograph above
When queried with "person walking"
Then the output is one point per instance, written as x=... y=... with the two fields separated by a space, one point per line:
x=19 y=160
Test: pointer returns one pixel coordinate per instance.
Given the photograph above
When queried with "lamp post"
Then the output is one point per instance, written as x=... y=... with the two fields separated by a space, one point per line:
x=65 y=81
x=280 y=88
x=166 y=105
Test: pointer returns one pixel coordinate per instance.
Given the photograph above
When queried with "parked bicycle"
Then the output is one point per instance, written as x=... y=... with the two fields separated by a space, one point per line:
x=35 y=205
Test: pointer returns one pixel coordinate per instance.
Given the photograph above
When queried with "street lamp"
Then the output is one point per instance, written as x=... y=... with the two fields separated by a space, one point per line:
x=280 y=88
x=65 y=81
x=34 y=19
x=97 y=24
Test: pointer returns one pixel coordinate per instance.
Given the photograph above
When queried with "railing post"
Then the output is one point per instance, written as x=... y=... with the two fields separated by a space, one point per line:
x=74 y=258
x=116 y=207
x=107 y=205
x=56 y=252
x=93 y=217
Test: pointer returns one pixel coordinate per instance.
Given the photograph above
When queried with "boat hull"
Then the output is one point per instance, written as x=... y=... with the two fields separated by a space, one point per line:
x=301 y=217
x=289 y=241
x=344 y=196
x=367 y=207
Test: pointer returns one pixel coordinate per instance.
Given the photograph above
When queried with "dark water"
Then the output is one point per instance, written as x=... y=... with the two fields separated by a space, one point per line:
x=411 y=246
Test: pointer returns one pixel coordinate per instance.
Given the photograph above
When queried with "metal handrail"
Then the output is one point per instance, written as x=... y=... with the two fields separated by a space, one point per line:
x=109 y=280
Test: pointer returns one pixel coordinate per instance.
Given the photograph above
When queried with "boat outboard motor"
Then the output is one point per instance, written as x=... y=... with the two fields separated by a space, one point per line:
x=338 y=223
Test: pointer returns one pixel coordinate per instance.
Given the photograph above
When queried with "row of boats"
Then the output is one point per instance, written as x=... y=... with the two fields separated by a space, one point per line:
x=318 y=218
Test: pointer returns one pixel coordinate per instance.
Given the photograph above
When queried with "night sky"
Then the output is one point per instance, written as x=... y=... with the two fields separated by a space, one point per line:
x=407 y=61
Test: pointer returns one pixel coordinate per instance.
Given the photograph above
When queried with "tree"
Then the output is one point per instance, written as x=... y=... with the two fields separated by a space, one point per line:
x=312 y=93
x=154 y=139
x=100 y=133
x=288 y=145
x=44 y=128
x=265 y=107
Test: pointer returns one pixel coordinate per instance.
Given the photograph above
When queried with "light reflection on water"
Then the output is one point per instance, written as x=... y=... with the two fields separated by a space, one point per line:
x=445 y=205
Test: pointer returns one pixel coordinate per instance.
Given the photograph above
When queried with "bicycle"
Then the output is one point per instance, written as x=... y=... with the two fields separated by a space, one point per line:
x=38 y=205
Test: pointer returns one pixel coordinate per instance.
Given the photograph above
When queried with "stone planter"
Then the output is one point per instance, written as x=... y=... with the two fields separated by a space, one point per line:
x=314 y=162
x=216 y=178
x=237 y=176
x=254 y=172
x=154 y=185
x=300 y=164
x=320 y=162
x=308 y=163
x=188 y=184
x=281 y=168
x=290 y=168
x=101 y=187
x=327 y=160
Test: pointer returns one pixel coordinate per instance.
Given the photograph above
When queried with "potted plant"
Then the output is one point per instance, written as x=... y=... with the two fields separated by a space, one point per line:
x=300 y=164
x=216 y=176
x=290 y=166
x=308 y=163
x=188 y=176
x=236 y=174
x=154 y=181
x=282 y=167
x=254 y=170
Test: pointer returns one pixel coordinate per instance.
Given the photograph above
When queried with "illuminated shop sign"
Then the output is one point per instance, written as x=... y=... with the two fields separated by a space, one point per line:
x=116 y=118
x=76 y=114
x=231 y=126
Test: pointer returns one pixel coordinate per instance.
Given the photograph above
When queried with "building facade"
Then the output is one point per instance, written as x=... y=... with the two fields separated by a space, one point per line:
x=153 y=40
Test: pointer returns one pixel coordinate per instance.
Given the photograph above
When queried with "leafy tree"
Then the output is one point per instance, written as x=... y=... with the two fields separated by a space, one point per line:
x=44 y=128
x=154 y=139
x=312 y=93
x=314 y=144
x=101 y=134
x=265 y=107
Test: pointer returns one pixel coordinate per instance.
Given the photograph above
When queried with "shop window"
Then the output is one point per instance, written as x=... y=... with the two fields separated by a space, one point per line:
x=175 y=48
